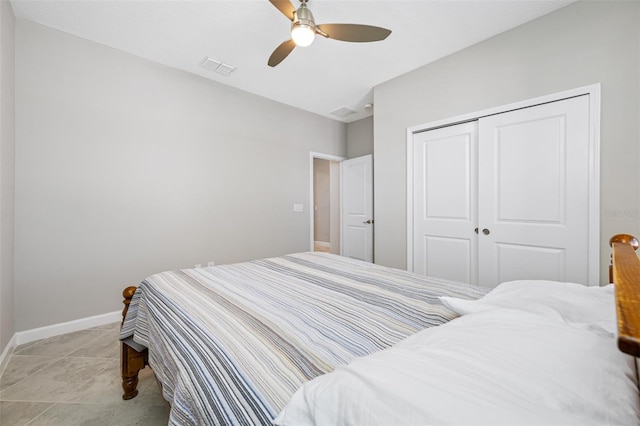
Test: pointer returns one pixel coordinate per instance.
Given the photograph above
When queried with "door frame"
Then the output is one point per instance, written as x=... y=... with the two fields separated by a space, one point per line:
x=312 y=212
x=594 y=163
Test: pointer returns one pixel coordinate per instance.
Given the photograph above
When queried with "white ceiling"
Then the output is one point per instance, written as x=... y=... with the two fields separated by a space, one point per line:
x=321 y=78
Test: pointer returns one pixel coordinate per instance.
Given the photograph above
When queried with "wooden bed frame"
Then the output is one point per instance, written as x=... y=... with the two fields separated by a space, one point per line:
x=131 y=360
x=624 y=271
x=625 y=274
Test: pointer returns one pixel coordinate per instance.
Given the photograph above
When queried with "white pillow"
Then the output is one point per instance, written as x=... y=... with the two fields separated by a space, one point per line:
x=497 y=367
x=575 y=304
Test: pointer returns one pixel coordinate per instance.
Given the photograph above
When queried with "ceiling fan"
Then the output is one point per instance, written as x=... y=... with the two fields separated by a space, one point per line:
x=304 y=29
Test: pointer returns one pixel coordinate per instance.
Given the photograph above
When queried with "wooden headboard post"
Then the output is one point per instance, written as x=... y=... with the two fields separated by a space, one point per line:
x=626 y=277
x=624 y=239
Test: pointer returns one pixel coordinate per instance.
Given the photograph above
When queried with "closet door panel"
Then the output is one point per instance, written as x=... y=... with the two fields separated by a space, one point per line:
x=449 y=257
x=534 y=193
x=530 y=171
x=543 y=263
x=445 y=203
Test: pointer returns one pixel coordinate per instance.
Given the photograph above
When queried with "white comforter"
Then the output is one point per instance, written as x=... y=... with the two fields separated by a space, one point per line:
x=498 y=366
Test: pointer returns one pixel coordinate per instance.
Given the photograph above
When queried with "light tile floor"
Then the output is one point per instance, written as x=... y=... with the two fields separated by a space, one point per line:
x=74 y=379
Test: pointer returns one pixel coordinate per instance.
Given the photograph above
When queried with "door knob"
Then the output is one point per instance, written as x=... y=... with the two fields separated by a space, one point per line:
x=475 y=230
x=368 y=222
x=485 y=231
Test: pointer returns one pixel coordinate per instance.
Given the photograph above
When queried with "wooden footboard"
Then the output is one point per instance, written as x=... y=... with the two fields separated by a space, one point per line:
x=131 y=361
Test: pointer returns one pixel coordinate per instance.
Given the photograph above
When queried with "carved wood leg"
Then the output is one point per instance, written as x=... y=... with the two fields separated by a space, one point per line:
x=131 y=363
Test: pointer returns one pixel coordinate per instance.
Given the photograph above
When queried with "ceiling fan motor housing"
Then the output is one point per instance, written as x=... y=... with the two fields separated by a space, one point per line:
x=303 y=16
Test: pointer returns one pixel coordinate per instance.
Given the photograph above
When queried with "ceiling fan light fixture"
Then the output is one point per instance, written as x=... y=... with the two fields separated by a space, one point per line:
x=302 y=34
x=303 y=28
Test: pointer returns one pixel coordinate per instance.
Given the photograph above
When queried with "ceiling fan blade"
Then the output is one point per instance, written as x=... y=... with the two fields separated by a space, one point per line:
x=285 y=7
x=281 y=52
x=353 y=32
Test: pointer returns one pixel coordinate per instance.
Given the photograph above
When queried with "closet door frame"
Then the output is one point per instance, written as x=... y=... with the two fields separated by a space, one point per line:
x=593 y=91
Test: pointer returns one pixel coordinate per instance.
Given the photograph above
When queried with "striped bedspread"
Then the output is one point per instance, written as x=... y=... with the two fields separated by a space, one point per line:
x=232 y=343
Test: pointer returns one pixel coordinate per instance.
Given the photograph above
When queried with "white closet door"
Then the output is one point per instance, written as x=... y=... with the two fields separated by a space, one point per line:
x=445 y=203
x=534 y=191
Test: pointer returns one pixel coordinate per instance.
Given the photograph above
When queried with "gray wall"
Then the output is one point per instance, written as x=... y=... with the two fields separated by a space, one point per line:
x=125 y=168
x=7 y=138
x=360 y=137
x=581 y=44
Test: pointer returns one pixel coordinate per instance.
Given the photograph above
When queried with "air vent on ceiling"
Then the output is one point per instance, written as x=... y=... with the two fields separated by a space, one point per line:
x=217 y=66
x=225 y=69
x=343 y=112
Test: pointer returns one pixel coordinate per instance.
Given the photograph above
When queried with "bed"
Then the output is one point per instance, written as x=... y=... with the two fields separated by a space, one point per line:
x=230 y=344
x=515 y=355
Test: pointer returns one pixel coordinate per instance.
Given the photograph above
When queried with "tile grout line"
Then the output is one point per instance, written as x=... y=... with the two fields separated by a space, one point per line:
x=92 y=357
x=103 y=333
x=53 y=361
x=68 y=402
x=57 y=410
x=39 y=415
x=26 y=401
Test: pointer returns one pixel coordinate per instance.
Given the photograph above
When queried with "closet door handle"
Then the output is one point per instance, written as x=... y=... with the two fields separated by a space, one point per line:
x=485 y=231
x=475 y=230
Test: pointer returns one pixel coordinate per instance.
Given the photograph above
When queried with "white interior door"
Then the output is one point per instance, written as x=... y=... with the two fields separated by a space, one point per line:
x=534 y=191
x=445 y=202
x=357 y=207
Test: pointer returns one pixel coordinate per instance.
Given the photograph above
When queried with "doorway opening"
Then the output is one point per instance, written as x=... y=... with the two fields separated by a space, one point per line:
x=325 y=203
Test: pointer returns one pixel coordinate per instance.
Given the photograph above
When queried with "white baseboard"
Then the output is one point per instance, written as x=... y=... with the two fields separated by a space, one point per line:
x=6 y=353
x=32 y=335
